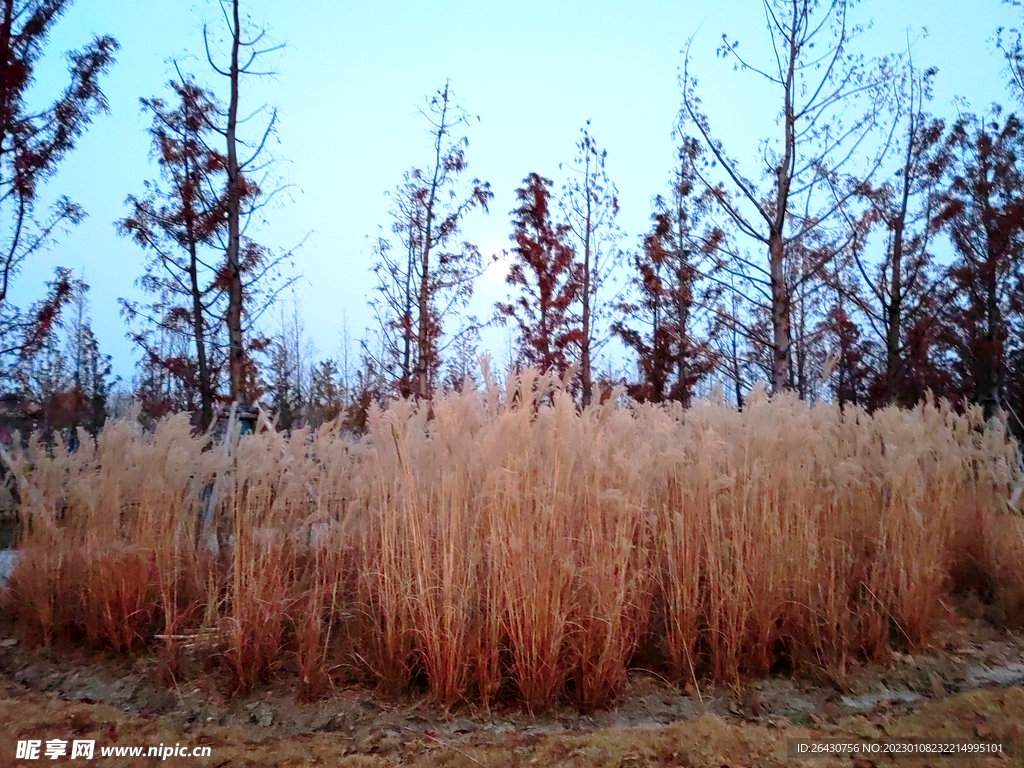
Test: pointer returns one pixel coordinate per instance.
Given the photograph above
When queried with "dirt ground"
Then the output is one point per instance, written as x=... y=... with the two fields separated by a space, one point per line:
x=967 y=687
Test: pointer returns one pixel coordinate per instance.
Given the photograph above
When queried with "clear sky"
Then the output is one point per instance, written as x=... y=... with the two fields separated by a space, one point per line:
x=353 y=74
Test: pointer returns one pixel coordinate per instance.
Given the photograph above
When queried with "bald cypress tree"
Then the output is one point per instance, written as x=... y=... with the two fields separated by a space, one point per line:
x=549 y=279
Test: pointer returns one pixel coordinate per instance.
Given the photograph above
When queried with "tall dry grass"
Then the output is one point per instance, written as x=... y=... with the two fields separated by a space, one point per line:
x=524 y=551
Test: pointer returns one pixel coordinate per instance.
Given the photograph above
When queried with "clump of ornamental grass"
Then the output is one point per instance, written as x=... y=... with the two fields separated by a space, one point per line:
x=520 y=549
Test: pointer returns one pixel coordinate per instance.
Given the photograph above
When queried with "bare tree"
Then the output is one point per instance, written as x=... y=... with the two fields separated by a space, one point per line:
x=1011 y=46
x=395 y=301
x=430 y=274
x=809 y=169
x=590 y=202
x=85 y=402
x=731 y=340
x=243 y=195
x=345 y=362
x=896 y=297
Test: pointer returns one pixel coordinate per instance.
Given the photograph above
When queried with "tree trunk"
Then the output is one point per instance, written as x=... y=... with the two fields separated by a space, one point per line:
x=585 y=366
x=5 y=49
x=894 y=314
x=423 y=308
x=895 y=311
x=991 y=354
x=8 y=265
x=780 y=315
x=684 y=298
x=198 y=330
x=423 y=336
x=406 y=383
x=736 y=372
x=198 y=324
x=776 y=238
x=236 y=352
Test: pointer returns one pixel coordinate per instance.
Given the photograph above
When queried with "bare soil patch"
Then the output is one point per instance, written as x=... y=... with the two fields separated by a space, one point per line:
x=967 y=686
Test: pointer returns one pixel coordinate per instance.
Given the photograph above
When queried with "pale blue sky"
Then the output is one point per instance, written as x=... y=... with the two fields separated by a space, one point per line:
x=351 y=79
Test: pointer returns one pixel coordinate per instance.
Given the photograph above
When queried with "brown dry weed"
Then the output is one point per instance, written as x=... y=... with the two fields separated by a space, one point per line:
x=524 y=550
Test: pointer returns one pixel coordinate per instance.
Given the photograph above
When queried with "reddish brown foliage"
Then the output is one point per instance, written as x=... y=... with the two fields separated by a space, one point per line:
x=669 y=294
x=33 y=142
x=178 y=226
x=547 y=274
x=983 y=213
